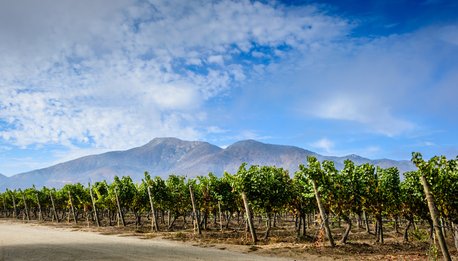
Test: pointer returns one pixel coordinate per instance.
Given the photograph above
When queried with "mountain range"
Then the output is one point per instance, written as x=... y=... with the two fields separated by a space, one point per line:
x=165 y=156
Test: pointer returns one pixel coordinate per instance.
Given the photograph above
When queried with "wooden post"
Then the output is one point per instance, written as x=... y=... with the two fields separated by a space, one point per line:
x=220 y=216
x=304 y=225
x=435 y=218
x=54 y=207
x=40 y=215
x=455 y=233
x=196 y=217
x=25 y=206
x=120 y=215
x=94 y=206
x=168 y=219
x=323 y=215
x=443 y=227
x=86 y=212
x=153 y=212
x=379 y=228
x=249 y=220
x=14 y=205
x=4 y=205
x=71 y=207
x=366 y=222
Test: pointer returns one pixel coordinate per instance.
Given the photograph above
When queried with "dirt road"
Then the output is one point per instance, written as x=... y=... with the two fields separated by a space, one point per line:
x=34 y=242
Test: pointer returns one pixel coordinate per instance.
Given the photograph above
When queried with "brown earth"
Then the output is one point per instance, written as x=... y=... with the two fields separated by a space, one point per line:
x=63 y=241
x=36 y=242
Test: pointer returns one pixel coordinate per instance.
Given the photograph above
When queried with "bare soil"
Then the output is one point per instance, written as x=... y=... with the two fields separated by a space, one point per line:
x=32 y=241
x=63 y=241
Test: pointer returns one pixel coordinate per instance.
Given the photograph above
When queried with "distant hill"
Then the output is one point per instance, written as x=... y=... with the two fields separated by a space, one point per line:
x=164 y=156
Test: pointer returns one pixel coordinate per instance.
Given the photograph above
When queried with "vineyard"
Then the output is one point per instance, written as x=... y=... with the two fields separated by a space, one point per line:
x=261 y=202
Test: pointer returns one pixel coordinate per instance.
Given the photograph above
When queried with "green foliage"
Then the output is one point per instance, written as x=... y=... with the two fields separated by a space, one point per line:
x=323 y=178
x=222 y=191
x=126 y=190
x=389 y=187
x=412 y=197
x=302 y=195
x=179 y=199
x=268 y=188
x=345 y=189
x=442 y=176
x=352 y=190
x=159 y=192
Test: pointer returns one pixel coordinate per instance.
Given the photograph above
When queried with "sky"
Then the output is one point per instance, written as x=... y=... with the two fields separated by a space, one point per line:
x=373 y=78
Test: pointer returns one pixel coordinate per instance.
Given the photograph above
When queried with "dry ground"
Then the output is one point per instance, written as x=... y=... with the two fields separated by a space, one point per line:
x=36 y=242
x=63 y=241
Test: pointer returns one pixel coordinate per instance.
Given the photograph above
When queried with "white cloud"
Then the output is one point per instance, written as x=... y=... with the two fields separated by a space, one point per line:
x=367 y=111
x=324 y=145
x=112 y=74
x=40 y=118
x=218 y=59
x=175 y=97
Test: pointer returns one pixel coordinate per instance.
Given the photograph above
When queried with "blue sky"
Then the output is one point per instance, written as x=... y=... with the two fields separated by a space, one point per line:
x=374 y=78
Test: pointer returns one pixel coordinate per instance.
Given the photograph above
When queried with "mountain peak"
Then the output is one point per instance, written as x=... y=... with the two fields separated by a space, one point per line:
x=164 y=139
x=249 y=142
x=250 y=145
x=168 y=155
x=171 y=141
x=353 y=156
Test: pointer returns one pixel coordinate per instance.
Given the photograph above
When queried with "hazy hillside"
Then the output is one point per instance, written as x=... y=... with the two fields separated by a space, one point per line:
x=164 y=156
x=252 y=152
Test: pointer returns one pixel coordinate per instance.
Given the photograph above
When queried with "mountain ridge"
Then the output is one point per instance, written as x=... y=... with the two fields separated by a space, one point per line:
x=165 y=156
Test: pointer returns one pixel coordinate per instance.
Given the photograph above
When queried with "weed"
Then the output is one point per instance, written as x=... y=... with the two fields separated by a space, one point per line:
x=420 y=235
x=433 y=252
